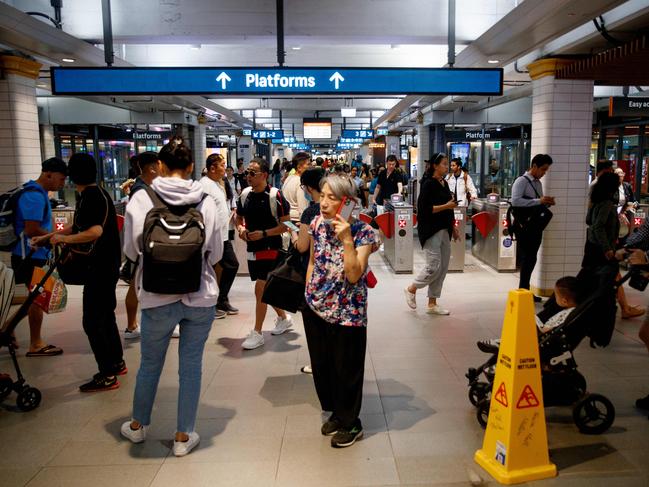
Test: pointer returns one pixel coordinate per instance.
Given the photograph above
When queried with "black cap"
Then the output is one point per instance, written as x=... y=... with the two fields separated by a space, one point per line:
x=54 y=164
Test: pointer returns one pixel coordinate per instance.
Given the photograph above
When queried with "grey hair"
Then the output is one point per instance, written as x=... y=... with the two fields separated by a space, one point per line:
x=340 y=185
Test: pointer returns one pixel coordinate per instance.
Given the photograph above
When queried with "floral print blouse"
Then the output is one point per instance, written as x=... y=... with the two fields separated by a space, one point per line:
x=328 y=293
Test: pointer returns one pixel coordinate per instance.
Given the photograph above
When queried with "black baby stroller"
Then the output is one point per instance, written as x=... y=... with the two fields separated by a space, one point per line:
x=28 y=397
x=563 y=385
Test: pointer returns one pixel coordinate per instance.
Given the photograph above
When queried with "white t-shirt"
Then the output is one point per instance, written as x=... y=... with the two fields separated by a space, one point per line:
x=294 y=194
x=217 y=193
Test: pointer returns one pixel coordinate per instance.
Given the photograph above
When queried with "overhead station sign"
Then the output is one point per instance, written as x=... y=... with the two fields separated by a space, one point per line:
x=358 y=134
x=267 y=81
x=267 y=134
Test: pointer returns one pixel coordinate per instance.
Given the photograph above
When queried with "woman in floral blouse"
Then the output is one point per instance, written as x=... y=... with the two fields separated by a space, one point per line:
x=335 y=319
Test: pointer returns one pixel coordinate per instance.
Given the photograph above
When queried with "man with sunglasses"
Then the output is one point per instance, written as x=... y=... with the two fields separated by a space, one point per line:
x=259 y=224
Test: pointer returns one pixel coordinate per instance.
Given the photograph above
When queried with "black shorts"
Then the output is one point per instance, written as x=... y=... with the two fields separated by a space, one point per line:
x=259 y=269
x=23 y=269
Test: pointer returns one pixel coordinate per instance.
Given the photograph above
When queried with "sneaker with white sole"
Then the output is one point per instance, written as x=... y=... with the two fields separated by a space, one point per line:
x=136 y=436
x=437 y=310
x=253 y=340
x=132 y=334
x=282 y=325
x=176 y=332
x=411 y=299
x=182 y=448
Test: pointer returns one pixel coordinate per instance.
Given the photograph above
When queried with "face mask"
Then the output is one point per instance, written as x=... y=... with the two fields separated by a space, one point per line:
x=308 y=196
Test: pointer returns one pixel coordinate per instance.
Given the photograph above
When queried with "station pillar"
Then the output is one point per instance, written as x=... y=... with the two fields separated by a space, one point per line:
x=199 y=145
x=20 y=147
x=423 y=145
x=562 y=114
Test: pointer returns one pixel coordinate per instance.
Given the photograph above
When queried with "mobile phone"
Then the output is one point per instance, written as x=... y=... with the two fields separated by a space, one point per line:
x=346 y=207
x=291 y=226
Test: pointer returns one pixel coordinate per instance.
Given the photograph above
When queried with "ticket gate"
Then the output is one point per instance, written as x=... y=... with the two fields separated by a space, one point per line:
x=491 y=241
x=398 y=237
x=458 y=247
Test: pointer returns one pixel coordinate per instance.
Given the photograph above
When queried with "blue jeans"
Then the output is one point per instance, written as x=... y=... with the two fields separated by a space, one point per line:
x=157 y=325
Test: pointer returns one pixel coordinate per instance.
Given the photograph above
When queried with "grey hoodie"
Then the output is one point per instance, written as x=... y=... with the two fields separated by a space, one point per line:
x=177 y=192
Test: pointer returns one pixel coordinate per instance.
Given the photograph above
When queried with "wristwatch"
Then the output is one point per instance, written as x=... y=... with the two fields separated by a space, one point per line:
x=264 y=233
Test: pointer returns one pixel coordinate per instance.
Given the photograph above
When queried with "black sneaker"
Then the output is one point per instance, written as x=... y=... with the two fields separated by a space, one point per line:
x=228 y=308
x=344 y=438
x=100 y=383
x=537 y=299
x=220 y=314
x=121 y=369
x=330 y=428
x=489 y=346
x=643 y=403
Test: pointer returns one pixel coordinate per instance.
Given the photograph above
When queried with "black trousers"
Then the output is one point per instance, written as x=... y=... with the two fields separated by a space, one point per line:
x=99 y=322
x=528 y=245
x=229 y=265
x=338 y=362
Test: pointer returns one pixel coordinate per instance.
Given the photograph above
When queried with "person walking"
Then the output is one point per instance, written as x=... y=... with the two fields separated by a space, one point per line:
x=390 y=181
x=528 y=204
x=260 y=213
x=335 y=318
x=226 y=271
x=461 y=184
x=436 y=227
x=291 y=189
x=194 y=311
x=33 y=218
x=95 y=230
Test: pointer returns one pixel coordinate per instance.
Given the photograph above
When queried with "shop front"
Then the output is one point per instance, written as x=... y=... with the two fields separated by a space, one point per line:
x=494 y=156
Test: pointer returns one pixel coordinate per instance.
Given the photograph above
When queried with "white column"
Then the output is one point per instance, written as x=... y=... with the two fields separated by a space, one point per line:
x=199 y=145
x=20 y=147
x=423 y=147
x=562 y=114
x=48 y=148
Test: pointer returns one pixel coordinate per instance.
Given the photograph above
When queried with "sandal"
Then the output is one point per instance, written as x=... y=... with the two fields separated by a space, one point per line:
x=632 y=312
x=46 y=351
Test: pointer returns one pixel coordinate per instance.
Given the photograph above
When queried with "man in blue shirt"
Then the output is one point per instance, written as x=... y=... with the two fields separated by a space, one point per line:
x=33 y=218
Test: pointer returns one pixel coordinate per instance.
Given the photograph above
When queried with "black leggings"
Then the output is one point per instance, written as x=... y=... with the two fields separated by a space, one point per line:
x=338 y=362
x=100 y=324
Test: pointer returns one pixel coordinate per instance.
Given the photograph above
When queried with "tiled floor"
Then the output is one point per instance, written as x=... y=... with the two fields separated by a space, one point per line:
x=259 y=418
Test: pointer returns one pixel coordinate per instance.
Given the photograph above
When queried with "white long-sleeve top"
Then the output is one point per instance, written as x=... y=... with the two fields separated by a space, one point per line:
x=176 y=192
x=462 y=188
x=223 y=209
x=294 y=194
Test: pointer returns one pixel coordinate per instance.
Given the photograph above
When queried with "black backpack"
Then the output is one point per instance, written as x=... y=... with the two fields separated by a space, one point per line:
x=173 y=240
x=8 y=205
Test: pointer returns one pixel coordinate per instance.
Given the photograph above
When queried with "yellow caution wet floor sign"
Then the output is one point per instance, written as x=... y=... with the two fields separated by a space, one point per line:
x=515 y=447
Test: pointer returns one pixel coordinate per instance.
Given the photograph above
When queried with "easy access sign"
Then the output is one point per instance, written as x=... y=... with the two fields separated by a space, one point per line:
x=266 y=81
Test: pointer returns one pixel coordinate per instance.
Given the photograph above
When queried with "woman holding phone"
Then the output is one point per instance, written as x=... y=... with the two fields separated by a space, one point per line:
x=436 y=226
x=335 y=317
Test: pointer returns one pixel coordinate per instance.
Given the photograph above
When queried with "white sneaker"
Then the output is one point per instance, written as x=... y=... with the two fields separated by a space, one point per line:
x=282 y=325
x=176 y=332
x=182 y=448
x=437 y=310
x=132 y=334
x=136 y=436
x=253 y=340
x=411 y=299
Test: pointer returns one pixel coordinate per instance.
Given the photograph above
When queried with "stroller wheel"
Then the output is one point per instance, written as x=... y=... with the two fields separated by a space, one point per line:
x=483 y=412
x=478 y=391
x=6 y=385
x=29 y=398
x=593 y=414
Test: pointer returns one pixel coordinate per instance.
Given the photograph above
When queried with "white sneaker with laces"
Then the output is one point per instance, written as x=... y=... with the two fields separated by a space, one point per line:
x=437 y=310
x=282 y=325
x=176 y=332
x=132 y=334
x=253 y=340
x=182 y=448
x=136 y=436
x=411 y=299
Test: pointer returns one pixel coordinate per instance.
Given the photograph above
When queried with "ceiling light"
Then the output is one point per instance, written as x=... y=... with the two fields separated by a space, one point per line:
x=493 y=61
x=195 y=47
x=263 y=113
x=68 y=60
x=296 y=48
x=41 y=85
x=247 y=113
x=347 y=112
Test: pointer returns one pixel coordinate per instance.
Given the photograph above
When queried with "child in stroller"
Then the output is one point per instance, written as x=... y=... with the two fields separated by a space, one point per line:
x=574 y=312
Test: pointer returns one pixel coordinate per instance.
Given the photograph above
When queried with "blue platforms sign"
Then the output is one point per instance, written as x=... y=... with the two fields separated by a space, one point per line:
x=267 y=134
x=268 y=81
x=358 y=134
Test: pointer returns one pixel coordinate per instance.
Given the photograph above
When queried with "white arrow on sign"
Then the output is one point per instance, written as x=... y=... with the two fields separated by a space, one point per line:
x=223 y=78
x=337 y=78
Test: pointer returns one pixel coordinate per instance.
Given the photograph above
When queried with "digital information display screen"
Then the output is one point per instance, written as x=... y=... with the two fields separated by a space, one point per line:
x=317 y=128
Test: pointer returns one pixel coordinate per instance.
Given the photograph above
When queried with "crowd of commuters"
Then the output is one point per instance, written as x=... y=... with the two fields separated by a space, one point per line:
x=270 y=209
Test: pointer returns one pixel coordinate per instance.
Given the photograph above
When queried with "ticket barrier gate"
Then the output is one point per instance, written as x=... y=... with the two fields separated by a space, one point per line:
x=397 y=231
x=458 y=247
x=491 y=241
